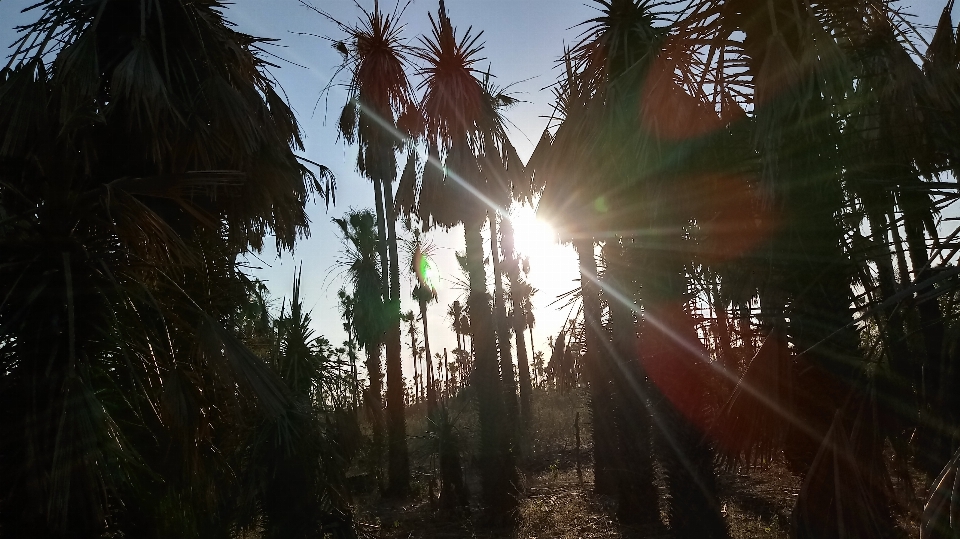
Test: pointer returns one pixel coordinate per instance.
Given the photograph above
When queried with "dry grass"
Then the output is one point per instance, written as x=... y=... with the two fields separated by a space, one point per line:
x=757 y=503
x=557 y=506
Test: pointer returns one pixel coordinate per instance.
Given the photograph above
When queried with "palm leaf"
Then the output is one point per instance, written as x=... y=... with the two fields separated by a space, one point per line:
x=941 y=513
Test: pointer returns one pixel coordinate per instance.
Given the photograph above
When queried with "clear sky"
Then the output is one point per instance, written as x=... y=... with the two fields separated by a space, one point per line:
x=523 y=40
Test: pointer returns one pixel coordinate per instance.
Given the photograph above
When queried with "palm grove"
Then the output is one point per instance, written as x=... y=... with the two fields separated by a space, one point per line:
x=753 y=189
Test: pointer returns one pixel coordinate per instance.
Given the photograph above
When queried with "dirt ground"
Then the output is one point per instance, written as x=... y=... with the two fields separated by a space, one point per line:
x=756 y=502
x=557 y=505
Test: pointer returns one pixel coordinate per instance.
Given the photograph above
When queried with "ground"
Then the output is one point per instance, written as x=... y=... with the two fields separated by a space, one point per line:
x=557 y=505
x=756 y=502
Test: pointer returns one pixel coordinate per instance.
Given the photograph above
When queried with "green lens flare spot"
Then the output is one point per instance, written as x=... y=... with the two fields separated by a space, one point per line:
x=600 y=204
x=427 y=272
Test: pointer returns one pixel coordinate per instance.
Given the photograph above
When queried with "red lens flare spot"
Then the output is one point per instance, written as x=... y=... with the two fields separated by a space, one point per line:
x=758 y=409
x=731 y=220
x=669 y=112
x=675 y=360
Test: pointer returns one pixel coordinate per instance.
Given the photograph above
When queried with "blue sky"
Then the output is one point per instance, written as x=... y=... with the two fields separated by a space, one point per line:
x=523 y=40
x=520 y=48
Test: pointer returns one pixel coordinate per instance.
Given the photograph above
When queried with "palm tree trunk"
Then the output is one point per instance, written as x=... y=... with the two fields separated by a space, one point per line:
x=533 y=352
x=431 y=385
x=376 y=412
x=598 y=375
x=898 y=248
x=382 y=240
x=518 y=321
x=893 y=329
x=356 y=381
x=446 y=375
x=352 y=354
x=672 y=358
x=636 y=492
x=523 y=364
x=413 y=354
x=398 y=459
x=935 y=441
x=507 y=373
x=497 y=470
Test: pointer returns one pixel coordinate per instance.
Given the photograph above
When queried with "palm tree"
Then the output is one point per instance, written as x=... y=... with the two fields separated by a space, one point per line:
x=528 y=317
x=520 y=314
x=456 y=113
x=502 y=169
x=455 y=313
x=346 y=305
x=424 y=292
x=380 y=94
x=415 y=348
x=827 y=115
x=292 y=478
x=612 y=81
x=369 y=316
x=460 y=323
x=556 y=166
x=134 y=170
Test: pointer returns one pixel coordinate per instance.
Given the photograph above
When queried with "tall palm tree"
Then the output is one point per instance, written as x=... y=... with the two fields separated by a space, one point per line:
x=380 y=95
x=346 y=306
x=557 y=165
x=456 y=113
x=502 y=169
x=829 y=89
x=942 y=70
x=521 y=313
x=455 y=314
x=369 y=313
x=134 y=170
x=460 y=323
x=528 y=317
x=609 y=135
x=424 y=292
x=415 y=350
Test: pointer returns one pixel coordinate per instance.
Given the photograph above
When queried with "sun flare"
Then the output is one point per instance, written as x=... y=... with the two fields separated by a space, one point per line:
x=531 y=235
x=553 y=267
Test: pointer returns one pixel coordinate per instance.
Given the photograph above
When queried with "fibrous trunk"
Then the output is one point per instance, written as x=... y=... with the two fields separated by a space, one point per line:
x=507 y=374
x=431 y=383
x=375 y=407
x=636 y=492
x=518 y=321
x=397 y=458
x=497 y=469
x=598 y=375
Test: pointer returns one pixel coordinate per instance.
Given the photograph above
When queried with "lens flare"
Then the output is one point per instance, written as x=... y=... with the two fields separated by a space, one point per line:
x=427 y=273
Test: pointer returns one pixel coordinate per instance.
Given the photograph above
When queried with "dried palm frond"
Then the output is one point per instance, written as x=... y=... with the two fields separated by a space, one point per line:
x=406 y=198
x=750 y=427
x=347 y=126
x=463 y=184
x=846 y=492
x=432 y=203
x=941 y=513
x=537 y=168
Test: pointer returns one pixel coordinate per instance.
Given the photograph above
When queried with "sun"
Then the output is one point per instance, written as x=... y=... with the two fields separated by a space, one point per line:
x=531 y=235
x=553 y=267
